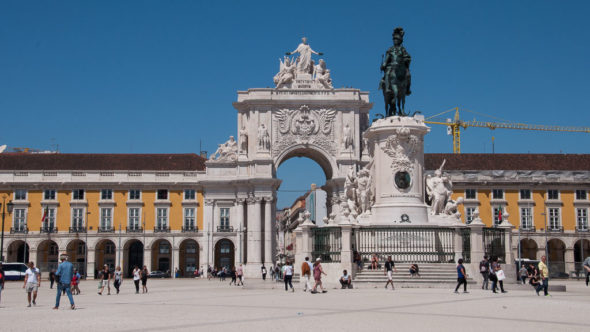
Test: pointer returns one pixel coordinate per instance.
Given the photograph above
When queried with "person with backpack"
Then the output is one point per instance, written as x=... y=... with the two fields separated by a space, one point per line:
x=484 y=269
x=306 y=268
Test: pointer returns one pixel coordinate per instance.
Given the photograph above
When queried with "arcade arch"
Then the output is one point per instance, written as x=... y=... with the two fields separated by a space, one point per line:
x=161 y=255
x=224 y=254
x=18 y=251
x=556 y=250
x=105 y=253
x=133 y=253
x=188 y=257
x=76 y=250
x=47 y=255
x=528 y=249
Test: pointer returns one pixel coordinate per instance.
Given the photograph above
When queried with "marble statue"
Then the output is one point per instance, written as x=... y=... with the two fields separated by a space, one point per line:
x=244 y=140
x=451 y=208
x=439 y=189
x=396 y=79
x=347 y=138
x=304 y=59
x=263 y=138
x=227 y=151
x=286 y=73
x=322 y=75
x=364 y=191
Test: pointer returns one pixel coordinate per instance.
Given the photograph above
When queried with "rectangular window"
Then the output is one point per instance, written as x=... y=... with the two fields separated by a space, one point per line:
x=106 y=218
x=554 y=219
x=470 y=194
x=582 y=219
x=469 y=214
x=77 y=218
x=526 y=218
x=498 y=194
x=162 y=218
x=49 y=194
x=191 y=248
x=224 y=218
x=552 y=194
x=497 y=215
x=164 y=248
x=20 y=195
x=106 y=194
x=81 y=248
x=78 y=194
x=189 y=218
x=581 y=194
x=109 y=248
x=134 y=222
x=53 y=250
x=525 y=194
x=162 y=194
x=189 y=194
x=20 y=219
x=134 y=194
x=49 y=222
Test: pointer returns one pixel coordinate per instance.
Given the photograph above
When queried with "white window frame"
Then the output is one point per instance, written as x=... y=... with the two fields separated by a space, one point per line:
x=162 y=217
x=498 y=198
x=106 y=219
x=74 y=191
x=553 y=199
x=134 y=222
x=475 y=190
x=523 y=198
x=469 y=210
x=585 y=195
x=582 y=219
x=106 y=191
x=50 y=221
x=554 y=219
x=194 y=192
x=77 y=219
x=526 y=219
x=21 y=191
x=46 y=191
x=224 y=218
x=19 y=221
x=190 y=218
x=158 y=194
x=495 y=215
x=134 y=199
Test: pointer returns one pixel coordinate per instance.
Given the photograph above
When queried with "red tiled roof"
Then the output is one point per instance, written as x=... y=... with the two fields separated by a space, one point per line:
x=100 y=162
x=508 y=162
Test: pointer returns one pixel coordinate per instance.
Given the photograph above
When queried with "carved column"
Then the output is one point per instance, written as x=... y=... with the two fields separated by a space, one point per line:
x=239 y=205
x=254 y=231
x=476 y=244
x=268 y=258
x=90 y=265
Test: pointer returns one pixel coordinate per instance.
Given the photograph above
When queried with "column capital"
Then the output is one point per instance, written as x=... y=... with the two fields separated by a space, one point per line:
x=209 y=202
x=269 y=199
x=250 y=200
x=240 y=201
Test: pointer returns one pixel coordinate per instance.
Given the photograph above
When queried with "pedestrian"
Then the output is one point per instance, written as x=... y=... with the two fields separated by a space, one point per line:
x=118 y=278
x=136 y=278
x=586 y=266
x=32 y=282
x=544 y=276
x=461 y=277
x=234 y=276
x=317 y=276
x=277 y=273
x=306 y=268
x=64 y=273
x=106 y=280
x=144 y=277
x=288 y=276
x=263 y=271
x=1 y=281
x=524 y=273
x=388 y=270
x=176 y=273
x=497 y=275
x=74 y=284
x=209 y=272
x=484 y=269
x=240 y=274
x=51 y=278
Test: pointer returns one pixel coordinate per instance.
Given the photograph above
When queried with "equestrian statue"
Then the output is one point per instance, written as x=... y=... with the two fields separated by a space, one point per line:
x=396 y=79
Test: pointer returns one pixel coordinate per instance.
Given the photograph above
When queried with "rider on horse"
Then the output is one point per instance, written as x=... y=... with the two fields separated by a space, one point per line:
x=396 y=79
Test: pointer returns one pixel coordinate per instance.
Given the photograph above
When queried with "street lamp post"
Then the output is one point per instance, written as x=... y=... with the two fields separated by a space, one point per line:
x=544 y=214
x=5 y=206
x=119 y=261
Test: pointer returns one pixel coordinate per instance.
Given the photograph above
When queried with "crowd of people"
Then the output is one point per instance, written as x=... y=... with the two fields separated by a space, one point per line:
x=67 y=277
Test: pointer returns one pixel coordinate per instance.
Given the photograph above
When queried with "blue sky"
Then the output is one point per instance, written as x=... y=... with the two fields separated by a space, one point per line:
x=160 y=76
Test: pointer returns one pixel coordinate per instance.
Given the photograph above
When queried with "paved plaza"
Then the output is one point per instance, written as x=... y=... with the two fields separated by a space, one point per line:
x=189 y=304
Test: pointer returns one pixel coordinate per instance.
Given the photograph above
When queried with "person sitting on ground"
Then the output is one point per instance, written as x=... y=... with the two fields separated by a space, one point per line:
x=345 y=280
x=374 y=262
x=414 y=270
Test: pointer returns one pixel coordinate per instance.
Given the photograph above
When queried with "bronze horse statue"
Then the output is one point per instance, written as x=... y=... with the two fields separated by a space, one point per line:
x=396 y=79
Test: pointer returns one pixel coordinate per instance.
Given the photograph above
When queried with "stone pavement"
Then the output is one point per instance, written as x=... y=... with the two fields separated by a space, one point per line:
x=188 y=305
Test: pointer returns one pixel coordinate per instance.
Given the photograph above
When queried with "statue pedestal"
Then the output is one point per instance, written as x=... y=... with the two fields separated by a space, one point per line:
x=397 y=146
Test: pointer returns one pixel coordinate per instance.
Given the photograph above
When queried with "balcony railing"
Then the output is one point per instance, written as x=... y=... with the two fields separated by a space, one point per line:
x=48 y=229
x=134 y=230
x=189 y=229
x=106 y=229
x=582 y=228
x=161 y=229
x=555 y=229
x=527 y=228
x=19 y=230
x=78 y=229
x=225 y=229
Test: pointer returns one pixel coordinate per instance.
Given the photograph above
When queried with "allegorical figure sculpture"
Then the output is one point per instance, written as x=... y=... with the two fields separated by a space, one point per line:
x=227 y=151
x=263 y=138
x=322 y=74
x=286 y=73
x=396 y=79
x=243 y=140
x=347 y=137
x=304 y=62
x=439 y=190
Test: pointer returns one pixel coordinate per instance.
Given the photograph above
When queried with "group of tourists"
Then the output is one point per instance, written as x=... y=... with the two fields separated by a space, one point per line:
x=309 y=270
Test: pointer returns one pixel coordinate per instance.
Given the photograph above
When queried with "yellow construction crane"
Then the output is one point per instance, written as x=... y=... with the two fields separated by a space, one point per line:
x=454 y=126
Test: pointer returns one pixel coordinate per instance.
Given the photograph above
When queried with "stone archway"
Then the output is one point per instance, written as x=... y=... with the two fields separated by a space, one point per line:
x=161 y=255
x=556 y=250
x=76 y=250
x=133 y=253
x=581 y=251
x=105 y=253
x=224 y=254
x=18 y=251
x=47 y=255
x=528 y=249
x=188 y=257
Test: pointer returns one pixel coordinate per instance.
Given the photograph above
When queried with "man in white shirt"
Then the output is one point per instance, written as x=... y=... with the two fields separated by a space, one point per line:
x=32 y=282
